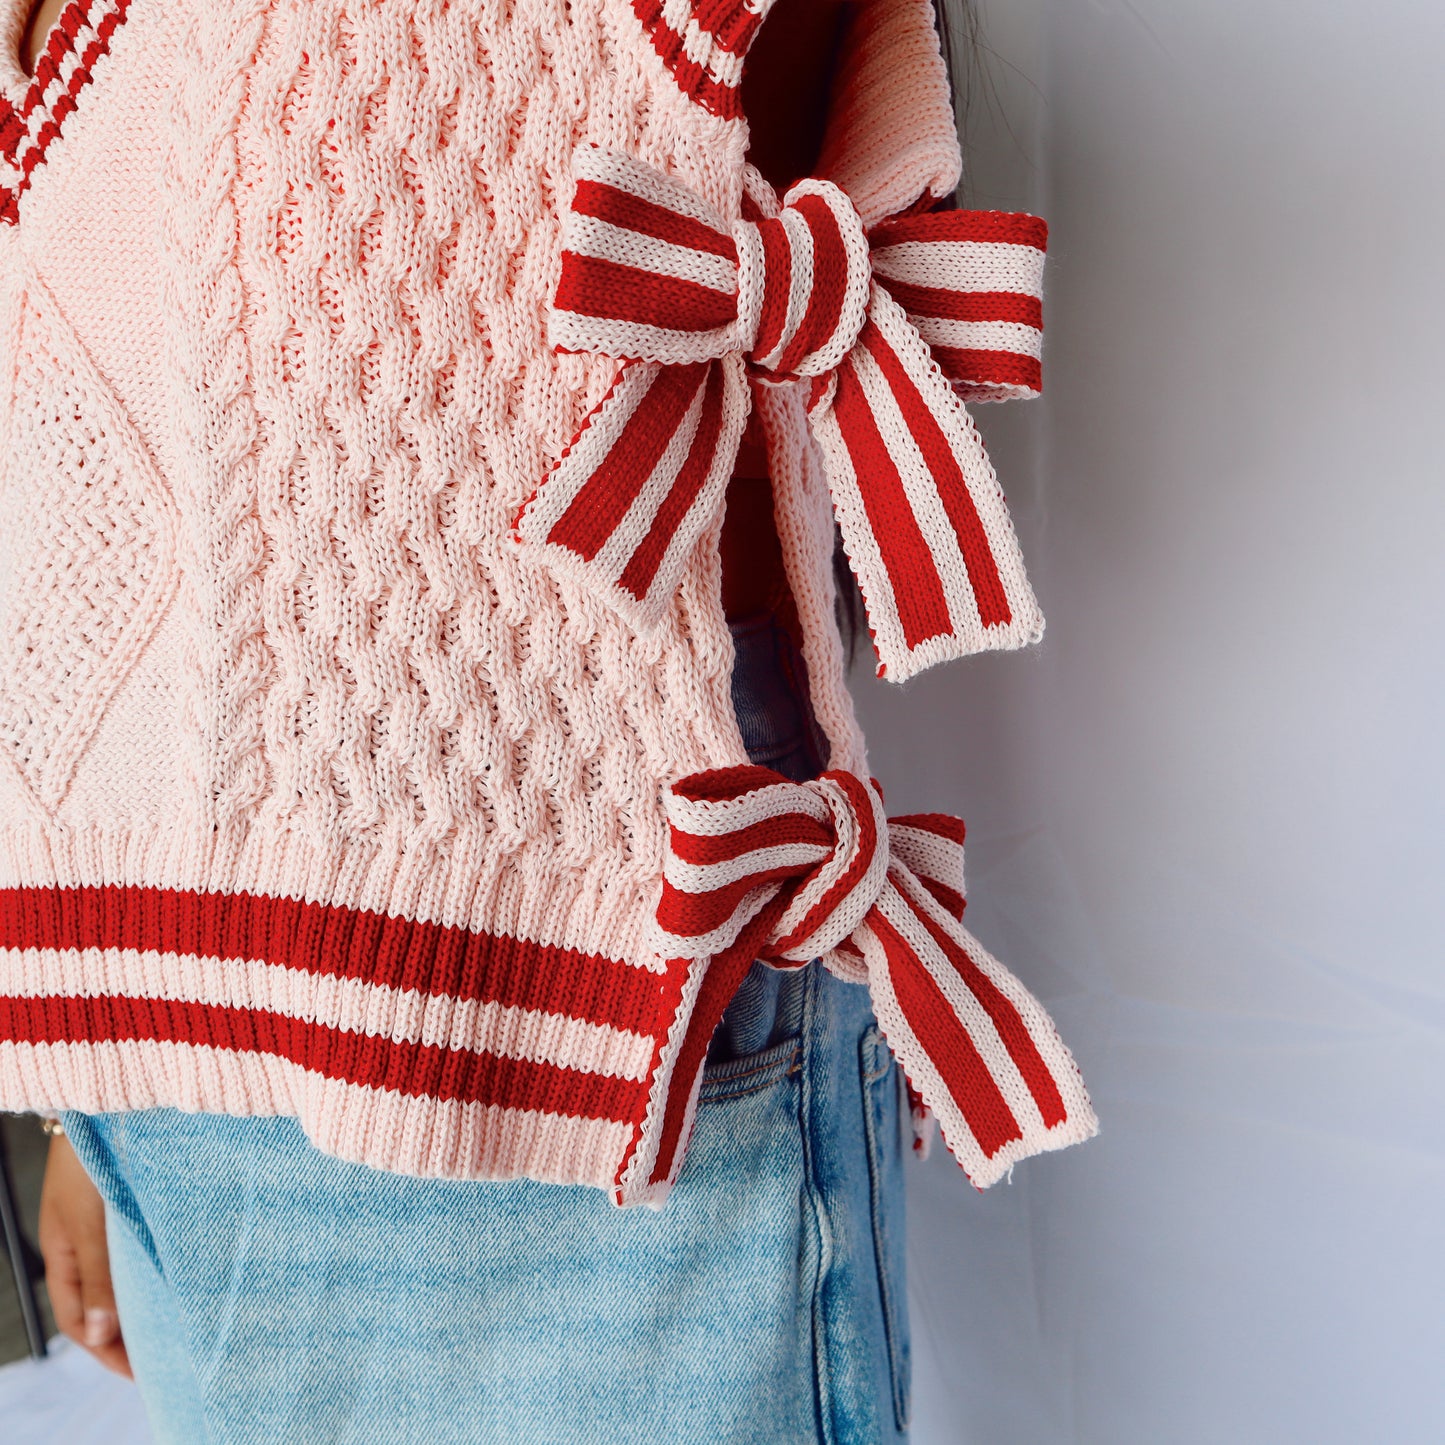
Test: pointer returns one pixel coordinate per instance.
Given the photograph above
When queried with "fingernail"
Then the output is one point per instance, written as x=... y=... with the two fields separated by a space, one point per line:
x=100 y=1326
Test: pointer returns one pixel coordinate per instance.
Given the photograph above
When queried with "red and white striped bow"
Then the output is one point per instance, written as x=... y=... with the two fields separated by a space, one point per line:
x=759 y=866
x=694 y=305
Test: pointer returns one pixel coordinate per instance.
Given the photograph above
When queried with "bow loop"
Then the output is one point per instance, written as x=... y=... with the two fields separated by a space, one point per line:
x=829 y=902
x=762 y=867
x=693 y=305
x=816 y=271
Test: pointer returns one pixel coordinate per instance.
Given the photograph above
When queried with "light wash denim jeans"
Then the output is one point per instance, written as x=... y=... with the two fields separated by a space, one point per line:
x=272 y=1294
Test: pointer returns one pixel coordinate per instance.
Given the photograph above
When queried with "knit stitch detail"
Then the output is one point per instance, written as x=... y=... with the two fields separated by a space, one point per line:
x=73 y=628
x=315 y=798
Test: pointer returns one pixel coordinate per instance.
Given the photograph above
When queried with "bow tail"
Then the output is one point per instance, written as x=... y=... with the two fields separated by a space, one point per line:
x=973 y=1042
x=923 y=518
x=627 y=502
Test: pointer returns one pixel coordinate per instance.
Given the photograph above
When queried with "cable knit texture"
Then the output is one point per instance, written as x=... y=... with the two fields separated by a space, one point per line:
x=315 y=799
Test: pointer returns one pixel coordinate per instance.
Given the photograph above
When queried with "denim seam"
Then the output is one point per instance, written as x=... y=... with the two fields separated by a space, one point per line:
x=872 y=1047
x=115 y=1137
x=818 y=1209
x=753 y=1080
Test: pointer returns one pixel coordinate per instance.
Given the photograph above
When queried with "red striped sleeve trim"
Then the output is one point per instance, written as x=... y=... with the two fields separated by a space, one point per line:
x=328 y=939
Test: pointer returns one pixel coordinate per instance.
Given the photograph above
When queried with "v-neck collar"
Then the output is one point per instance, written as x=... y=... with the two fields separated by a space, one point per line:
x=34 y=108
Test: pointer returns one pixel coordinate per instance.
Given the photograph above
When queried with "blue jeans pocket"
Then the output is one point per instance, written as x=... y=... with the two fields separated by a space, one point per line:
x=882 y=1123
x=748 y=1074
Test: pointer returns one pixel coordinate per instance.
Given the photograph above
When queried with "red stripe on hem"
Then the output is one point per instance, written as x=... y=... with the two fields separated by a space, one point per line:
x=415 y=1070
x=330 y=940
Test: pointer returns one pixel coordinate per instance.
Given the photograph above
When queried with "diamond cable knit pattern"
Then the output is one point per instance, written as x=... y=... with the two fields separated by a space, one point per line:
x=315 y=798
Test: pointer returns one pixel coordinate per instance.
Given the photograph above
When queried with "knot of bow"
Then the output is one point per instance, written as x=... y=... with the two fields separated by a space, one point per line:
x=884 y=331
x=759 y=866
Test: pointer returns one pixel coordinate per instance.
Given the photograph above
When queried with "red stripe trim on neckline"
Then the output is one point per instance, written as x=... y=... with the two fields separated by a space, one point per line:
x=694 y=79
x=84 y=29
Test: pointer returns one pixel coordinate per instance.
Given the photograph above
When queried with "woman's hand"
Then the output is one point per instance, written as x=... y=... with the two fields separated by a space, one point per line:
x=77 y=1262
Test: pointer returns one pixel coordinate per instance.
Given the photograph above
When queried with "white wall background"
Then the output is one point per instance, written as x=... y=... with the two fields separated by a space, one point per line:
x=1207 y=816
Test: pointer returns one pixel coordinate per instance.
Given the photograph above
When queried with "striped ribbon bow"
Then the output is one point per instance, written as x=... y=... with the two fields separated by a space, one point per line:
x=759 y=866
x=891 y=329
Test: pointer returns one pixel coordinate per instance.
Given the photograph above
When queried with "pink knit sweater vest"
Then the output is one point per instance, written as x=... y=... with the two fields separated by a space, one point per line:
x=314 y=799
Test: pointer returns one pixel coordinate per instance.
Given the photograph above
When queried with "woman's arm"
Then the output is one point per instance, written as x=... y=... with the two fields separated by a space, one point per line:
x=77 y=1262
